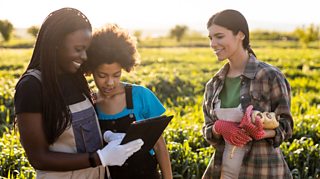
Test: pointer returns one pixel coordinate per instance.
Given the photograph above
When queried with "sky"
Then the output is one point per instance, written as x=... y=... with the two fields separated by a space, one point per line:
x=157 y=15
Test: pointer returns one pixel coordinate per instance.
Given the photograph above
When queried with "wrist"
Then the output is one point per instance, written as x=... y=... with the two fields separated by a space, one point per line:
x=93 y=159
x=270 y=133
x=214 y=130
x=100 y=156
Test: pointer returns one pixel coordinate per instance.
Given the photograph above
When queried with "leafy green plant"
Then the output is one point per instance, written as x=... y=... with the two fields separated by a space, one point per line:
x=13 y=161
x=178 y=76
x=187 y=164
x=303 y=157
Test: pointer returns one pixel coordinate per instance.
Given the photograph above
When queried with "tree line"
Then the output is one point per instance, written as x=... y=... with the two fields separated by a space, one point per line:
x=304 y=34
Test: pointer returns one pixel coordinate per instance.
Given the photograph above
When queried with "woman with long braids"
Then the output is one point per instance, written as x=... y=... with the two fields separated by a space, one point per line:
x=56 y=119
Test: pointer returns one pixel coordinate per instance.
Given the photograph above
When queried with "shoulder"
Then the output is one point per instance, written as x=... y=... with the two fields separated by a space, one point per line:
x=140 y=89
x=28 y=95
x=269 y=71
x=213 y=83
x=258 y=70
x=219 y=76
x=269 y=75
x=210 y=83
x=143 y=93
x=28 y=82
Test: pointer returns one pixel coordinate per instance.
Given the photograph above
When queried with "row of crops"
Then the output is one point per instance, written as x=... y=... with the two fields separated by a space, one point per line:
x=177 y=76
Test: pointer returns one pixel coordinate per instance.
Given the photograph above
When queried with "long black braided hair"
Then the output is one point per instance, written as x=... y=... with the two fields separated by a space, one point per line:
x=54 y=29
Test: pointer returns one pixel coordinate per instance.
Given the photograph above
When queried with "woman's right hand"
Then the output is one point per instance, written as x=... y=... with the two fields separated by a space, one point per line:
x=231 y=132
x=116 y=154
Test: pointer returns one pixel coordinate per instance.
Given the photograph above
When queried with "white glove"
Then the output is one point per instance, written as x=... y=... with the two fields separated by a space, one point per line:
x=116 y=154
x=109 y=136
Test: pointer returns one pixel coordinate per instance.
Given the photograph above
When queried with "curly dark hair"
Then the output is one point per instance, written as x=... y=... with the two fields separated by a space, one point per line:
x=112 y=44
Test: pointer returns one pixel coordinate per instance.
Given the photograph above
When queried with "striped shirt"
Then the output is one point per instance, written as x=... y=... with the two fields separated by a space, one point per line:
x=267 y=89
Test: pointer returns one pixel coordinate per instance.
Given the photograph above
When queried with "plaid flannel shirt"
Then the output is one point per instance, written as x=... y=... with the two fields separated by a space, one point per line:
x=266 y=88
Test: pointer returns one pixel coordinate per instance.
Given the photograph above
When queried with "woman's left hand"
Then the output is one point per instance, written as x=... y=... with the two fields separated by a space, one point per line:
x=254 y=130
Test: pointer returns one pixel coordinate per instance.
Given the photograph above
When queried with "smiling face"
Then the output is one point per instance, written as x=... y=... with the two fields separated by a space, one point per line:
x=72 y=52
x=224 y=43
x=107 y=78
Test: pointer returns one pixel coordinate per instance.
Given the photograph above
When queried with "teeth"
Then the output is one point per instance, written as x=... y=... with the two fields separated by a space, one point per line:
x=76 y=64
x=217 y=51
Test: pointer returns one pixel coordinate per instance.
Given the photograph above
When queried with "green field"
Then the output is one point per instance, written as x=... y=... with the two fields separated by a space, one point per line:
x=177 y=76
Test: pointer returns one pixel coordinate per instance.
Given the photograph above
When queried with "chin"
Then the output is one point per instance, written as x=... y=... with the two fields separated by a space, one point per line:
x=221 y=59
x=69 y=71
x=73 y=71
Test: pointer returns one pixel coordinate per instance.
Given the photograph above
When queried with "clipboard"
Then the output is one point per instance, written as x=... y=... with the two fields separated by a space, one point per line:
x=149 y=130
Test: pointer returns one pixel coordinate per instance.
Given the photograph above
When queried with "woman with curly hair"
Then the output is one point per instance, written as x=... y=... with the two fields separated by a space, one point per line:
x=119 y=103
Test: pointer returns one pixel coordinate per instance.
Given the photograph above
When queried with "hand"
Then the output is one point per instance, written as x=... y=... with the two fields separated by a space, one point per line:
x=116 y=154
x=254 y=130
x=109 y=136
x=231 y=132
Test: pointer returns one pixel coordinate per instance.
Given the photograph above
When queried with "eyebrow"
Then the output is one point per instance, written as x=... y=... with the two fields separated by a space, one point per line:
x=218 y=33
x=107 y=73
x=215 y=34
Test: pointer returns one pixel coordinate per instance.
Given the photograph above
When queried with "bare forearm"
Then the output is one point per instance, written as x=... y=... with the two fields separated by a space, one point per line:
x=38 y=150
x=56 y=161
x=165 y=167
x=163 y=158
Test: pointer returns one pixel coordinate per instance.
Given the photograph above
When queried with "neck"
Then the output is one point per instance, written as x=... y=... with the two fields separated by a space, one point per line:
x=238 y=64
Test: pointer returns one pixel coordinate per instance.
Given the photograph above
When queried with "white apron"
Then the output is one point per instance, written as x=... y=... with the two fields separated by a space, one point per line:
x=232 y=155
x=82 y=136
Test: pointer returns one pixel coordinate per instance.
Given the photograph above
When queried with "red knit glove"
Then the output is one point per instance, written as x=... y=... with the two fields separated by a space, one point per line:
x=254 y=130
x=231 y=132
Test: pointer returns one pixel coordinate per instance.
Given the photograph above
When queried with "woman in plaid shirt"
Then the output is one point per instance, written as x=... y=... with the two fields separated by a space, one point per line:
x=241 y=83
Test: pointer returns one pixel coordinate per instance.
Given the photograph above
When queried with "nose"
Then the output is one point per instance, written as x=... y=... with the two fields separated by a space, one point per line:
x=84 y=56
x=110 y=82
x=213 y=43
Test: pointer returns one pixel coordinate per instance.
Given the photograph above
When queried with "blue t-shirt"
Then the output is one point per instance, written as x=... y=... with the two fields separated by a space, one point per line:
x=145 y=105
